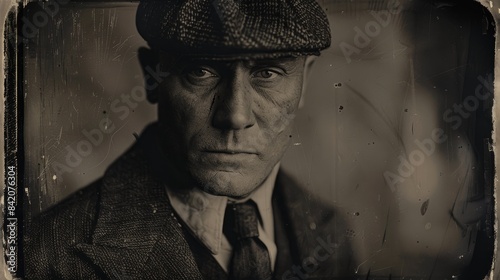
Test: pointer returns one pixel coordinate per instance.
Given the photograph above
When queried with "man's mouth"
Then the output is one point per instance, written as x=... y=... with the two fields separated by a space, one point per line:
x=231 y=158
x=231 y=151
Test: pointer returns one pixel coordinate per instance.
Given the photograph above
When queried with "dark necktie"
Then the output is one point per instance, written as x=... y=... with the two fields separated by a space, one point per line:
x=250 y=259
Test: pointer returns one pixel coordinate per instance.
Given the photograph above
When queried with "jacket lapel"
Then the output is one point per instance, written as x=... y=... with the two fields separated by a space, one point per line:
x=137 y=235
x=315 y=236
x=292 y=208
x=285 y=258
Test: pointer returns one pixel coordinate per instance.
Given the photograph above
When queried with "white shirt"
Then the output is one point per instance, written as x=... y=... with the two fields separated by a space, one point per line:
x=203 y=214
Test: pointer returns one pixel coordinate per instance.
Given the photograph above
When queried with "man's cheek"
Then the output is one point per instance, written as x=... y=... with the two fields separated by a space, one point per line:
x=283 y=120
x=183 y=108
x=277 y=136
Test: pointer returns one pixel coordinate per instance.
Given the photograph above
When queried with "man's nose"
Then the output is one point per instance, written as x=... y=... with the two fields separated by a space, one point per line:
x=233 y=110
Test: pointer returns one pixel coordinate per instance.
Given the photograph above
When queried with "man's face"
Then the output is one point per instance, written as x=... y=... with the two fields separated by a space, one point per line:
x=225 y=125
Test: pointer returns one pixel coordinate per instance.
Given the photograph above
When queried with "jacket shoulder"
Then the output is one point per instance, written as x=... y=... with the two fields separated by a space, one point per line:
x=77 y=208
x=51 y=237
x=298 y=197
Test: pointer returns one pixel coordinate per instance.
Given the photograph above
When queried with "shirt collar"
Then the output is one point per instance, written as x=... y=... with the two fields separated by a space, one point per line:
x=203 y=213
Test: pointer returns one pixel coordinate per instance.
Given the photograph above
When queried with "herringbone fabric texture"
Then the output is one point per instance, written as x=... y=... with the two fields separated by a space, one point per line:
x=221 y=28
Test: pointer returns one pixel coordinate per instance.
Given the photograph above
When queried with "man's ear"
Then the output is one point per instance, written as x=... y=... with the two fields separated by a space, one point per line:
x=149 y=60
x=307 y=70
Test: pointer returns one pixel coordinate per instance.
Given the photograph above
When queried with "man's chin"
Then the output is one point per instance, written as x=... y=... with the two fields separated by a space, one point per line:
x=227 y=183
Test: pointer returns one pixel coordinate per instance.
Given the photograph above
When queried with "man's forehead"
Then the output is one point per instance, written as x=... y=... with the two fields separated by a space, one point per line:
x=247 y=62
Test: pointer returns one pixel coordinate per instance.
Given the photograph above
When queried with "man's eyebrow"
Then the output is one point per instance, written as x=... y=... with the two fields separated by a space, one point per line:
x=275 y=61
x=288 y=64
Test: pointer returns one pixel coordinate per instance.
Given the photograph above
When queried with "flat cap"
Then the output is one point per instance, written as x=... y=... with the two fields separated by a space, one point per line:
x=234 y=28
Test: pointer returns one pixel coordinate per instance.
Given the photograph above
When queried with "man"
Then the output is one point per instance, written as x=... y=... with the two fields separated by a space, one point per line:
x=200 y=195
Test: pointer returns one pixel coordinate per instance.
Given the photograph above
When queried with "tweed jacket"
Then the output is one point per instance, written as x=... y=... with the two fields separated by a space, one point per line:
x=123 y=227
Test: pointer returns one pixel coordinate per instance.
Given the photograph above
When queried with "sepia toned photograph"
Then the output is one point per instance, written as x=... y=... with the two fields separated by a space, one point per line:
x=249 y=139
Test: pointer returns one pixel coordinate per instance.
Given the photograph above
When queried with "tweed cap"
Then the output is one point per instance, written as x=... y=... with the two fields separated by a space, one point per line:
x=234 y=28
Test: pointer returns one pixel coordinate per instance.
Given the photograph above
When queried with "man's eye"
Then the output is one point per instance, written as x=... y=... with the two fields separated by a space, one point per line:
x=201 y=73
x=266 y=74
